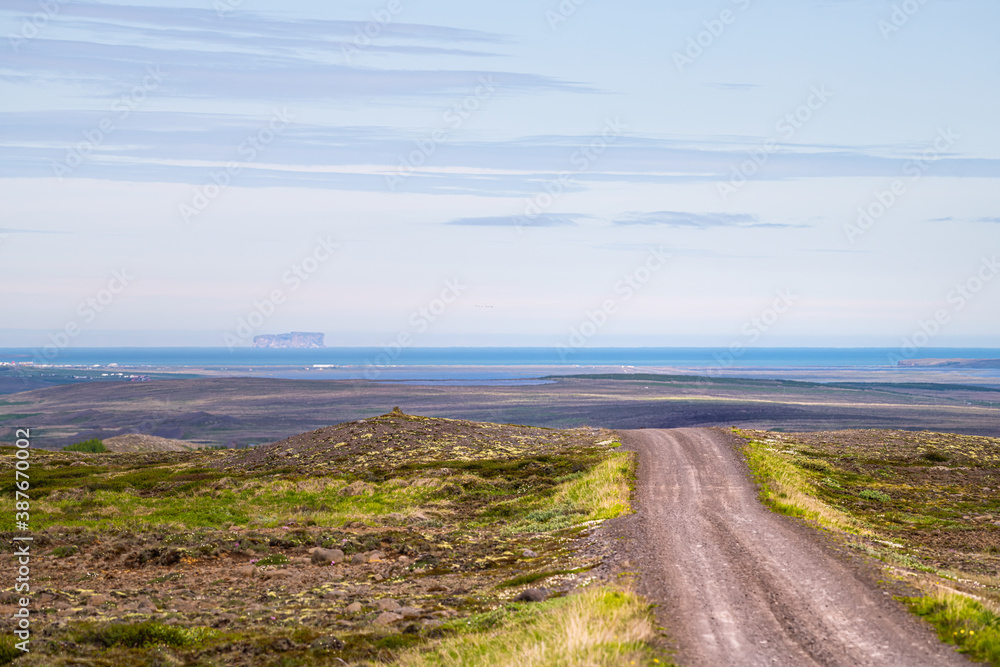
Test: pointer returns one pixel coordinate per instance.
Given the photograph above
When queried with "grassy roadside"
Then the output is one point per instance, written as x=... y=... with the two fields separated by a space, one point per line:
x=599 y=626
x=925 y=504
x=196 y=558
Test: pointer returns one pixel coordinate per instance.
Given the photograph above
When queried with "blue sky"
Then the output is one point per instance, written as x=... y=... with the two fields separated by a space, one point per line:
x=536 y=153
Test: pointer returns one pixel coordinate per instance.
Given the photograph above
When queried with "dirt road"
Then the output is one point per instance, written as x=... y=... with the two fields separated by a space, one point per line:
x=740 y=585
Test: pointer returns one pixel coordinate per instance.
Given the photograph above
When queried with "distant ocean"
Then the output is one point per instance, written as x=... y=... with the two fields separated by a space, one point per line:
x=222 y=358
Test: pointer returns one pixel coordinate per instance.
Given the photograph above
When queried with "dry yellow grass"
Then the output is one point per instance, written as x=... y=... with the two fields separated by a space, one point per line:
x=598 y=627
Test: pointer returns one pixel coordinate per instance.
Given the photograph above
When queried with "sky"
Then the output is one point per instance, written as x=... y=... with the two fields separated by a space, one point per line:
x=532 y=172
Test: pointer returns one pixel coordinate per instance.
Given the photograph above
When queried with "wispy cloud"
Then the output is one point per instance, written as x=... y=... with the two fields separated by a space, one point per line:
x=734 y=86
x=250 y=56
x=4 y=230
x=541 y=220
x=695 y=220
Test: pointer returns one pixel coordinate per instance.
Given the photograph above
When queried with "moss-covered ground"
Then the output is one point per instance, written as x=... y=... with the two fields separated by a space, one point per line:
x=205 y=558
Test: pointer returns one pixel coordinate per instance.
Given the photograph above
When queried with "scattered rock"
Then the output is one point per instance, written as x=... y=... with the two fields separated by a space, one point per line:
x=388 y=618
x=327 y=643
x=532 y=595
x=326 y=556
x=277 y=574
x=223 y=620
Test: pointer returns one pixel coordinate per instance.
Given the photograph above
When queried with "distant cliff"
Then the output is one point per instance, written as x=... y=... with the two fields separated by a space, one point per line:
x=296 y=339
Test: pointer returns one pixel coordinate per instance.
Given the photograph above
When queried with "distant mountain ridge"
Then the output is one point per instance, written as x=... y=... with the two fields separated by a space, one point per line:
x=296 y=339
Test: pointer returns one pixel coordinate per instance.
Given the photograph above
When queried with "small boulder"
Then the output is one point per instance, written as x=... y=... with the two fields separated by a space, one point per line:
x=277 y=574
x=326 y=556
x=327 y=643
x=353 y=608
x=388 y=605
x=532 y=595
x=410 y=612
x=388 y=618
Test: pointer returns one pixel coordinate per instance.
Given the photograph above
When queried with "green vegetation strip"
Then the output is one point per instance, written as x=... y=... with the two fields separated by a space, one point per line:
x=963 y=622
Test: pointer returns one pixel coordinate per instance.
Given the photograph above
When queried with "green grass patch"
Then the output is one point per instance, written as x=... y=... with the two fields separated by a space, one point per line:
x=877 y=496
x=532 y=577
x=273 y=559
x=8 y=652
x=962 y=621
x=602 y=492
x=93 y=446
x=785 y=488
x=142 y=635
x=65 y=551
x=12 y=417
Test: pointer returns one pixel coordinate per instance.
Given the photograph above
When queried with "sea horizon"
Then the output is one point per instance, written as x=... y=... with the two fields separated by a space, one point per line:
x=348 y=356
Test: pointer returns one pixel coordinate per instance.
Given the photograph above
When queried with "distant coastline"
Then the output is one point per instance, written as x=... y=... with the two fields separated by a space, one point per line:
x=950 y=363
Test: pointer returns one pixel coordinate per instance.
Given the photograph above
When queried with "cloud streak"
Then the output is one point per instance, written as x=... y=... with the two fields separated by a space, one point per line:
x=540 y=220
x=681 y=219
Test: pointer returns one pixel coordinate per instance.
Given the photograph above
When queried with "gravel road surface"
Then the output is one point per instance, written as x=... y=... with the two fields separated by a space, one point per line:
x=740 y=585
